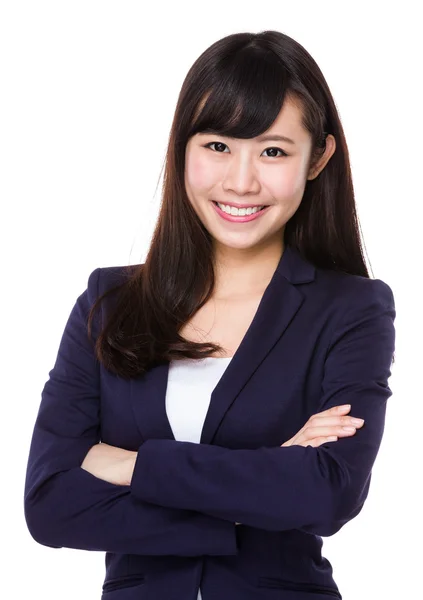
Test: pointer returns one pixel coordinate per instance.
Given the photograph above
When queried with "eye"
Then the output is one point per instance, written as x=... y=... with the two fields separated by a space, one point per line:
x=222 y=144
x=277 y=150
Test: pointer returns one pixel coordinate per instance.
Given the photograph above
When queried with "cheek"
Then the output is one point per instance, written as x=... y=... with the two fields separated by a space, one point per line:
x=199 y=175
x=288 y=183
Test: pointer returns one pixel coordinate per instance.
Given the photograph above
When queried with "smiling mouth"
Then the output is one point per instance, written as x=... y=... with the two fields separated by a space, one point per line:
x=262 y=206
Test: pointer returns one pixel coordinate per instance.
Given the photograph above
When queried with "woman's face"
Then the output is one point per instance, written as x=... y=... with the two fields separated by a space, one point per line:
x=252 y=172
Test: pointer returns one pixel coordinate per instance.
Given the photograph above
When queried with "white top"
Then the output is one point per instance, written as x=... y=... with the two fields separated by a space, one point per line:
x=189 y=387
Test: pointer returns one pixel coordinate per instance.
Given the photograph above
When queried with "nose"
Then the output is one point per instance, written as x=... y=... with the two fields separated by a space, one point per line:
x=241 y=177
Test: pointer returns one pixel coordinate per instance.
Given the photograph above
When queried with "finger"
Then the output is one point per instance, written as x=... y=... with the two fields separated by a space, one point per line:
x=335 y=410
x=339 y=421
x=315 y=442
x=323 y=431
x=307 y=437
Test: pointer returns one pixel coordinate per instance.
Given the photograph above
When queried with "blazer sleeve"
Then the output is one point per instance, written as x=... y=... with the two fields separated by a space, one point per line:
x=66 y=506
x=316 y=490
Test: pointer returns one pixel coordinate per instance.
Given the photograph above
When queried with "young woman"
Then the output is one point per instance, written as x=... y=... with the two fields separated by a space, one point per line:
x=197 y=425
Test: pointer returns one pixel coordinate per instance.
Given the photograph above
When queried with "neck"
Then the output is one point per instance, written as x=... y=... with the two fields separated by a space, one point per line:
x=245 y=273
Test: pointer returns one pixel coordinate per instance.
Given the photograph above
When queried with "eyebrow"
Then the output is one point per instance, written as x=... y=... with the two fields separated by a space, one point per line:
x=273 y=137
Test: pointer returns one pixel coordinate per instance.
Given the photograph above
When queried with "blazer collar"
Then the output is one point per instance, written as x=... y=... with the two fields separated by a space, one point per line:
x=278 y=306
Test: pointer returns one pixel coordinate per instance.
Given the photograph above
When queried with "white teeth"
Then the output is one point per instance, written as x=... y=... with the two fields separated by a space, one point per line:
x=231 y=210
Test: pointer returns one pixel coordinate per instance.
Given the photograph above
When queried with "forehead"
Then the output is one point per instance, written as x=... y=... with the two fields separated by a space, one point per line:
x=290 y=114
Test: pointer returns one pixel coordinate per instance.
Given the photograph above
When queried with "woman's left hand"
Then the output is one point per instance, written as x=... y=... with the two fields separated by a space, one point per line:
x=110 y=463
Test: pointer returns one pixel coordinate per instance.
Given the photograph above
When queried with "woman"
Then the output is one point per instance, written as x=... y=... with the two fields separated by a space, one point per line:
x=197 y=434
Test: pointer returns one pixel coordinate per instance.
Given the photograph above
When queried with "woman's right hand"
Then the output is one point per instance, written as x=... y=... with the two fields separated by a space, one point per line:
x=325 y=427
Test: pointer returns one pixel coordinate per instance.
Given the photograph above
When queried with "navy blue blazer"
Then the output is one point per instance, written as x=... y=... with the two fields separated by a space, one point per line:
x=318 y=339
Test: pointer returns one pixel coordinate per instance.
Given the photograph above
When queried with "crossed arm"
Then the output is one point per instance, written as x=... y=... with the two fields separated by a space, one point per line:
x=181 y=498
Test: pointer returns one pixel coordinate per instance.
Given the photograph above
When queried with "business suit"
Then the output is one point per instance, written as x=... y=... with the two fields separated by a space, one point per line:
x=319 y=339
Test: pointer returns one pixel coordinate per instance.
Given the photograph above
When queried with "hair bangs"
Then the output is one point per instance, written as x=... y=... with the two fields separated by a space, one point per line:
x=246 y=98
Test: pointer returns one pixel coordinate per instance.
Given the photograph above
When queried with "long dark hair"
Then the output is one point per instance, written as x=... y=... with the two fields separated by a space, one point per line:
x=236 y=87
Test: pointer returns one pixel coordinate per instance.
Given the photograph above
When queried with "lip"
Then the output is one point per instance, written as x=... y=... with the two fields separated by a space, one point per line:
x=243 y=219
x=240 y=205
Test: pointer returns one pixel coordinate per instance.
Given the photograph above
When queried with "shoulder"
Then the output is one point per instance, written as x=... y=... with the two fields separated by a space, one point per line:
x=352 y=290
x=103 y=279
x=329 y=288
x=358 y=306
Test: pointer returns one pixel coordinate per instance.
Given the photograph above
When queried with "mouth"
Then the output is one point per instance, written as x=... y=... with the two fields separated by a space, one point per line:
x=262 y=206
x=246 y=218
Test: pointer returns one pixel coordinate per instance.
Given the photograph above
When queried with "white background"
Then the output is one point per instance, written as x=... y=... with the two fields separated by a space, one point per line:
x=88 y=90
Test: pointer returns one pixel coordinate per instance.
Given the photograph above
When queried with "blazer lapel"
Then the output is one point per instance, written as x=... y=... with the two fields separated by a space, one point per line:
x=279 y=305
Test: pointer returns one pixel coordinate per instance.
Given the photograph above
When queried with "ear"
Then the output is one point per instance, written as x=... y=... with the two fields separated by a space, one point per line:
x=324 y=159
